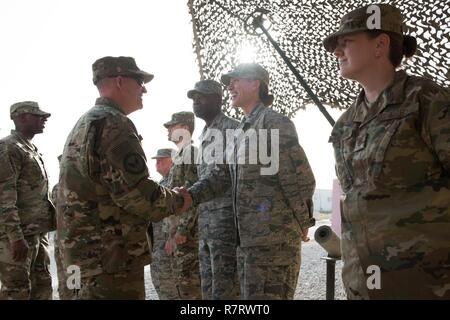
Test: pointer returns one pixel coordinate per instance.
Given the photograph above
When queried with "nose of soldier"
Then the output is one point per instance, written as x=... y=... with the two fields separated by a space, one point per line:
x=338 y=50
x=195 y=99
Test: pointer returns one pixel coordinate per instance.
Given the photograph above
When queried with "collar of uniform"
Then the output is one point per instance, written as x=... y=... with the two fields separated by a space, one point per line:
x=216 y=121
x=24 y=140
x=357 y=116
x=254 y=114
x=393 y=94
x=164 y=180
x=108 y=102
x=187 y=145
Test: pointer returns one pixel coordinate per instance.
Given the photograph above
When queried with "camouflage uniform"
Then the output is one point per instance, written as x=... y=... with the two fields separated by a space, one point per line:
x=270 y=210
x=185 y=257
x=106 y=199
x=217 y=236
x=63 y=292
x=163 y=276
x=392 y=160
x=25 y=213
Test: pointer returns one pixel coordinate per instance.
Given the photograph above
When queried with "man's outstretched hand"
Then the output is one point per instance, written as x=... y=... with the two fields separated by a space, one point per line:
x=169 y=247
x=179 y=239
x=187 y=203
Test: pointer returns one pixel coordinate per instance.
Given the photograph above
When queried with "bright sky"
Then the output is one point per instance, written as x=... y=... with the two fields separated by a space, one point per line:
x=48 y=47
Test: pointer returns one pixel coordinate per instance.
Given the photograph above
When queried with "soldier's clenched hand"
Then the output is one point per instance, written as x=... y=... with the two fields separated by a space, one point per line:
x=19 y=250
x=169 y=247
x=180 y=239
x=305 y=237
x=187 y=200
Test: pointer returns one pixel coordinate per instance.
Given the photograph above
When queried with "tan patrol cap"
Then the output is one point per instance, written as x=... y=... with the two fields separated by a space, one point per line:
x=362 y=19
x=164 y=153
x=107 y=67
x=183 y=117
x=27 y=107
x=247 y=71
x=206 y=87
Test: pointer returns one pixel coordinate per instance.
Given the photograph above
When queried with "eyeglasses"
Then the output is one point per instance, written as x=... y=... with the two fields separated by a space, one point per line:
x=139 y=81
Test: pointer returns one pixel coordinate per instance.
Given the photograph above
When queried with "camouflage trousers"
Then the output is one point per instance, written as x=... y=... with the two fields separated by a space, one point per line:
x=218 y=269
x=126 y=285
x=28 y=279
x=63 y=292
x=187 y=272
x=269 y=272
x=161 y=269
x=163 y=276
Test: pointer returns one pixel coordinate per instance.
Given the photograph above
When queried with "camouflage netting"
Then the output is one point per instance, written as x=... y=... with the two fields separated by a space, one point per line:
x=299 y=26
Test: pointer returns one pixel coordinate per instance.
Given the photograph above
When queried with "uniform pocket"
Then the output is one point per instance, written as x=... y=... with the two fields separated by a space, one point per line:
x=114 y=255
x=5 y=252
x=382 y=144
x=340 y=151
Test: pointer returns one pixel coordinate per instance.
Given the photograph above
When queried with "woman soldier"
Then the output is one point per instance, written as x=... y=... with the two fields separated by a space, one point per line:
x=392 y=160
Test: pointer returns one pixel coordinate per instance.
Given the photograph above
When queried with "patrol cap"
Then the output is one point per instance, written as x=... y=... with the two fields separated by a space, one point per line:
x=164 y=153
x=27 y=107
x=183 y=117
x=247 y=71
x=361 y=19
x=206 y=87
x=107 y=67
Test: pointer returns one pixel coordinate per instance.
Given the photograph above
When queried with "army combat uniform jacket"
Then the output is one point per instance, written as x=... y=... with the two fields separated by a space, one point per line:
x=271 y=206
x=25 y=208
x=157 y=237
x=185 y=264
x=216 y=218
x=393 y=164
x=105 y=197
x=183 y=173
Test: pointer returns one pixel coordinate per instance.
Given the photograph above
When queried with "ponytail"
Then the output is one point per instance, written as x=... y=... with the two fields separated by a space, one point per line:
x=266 y=98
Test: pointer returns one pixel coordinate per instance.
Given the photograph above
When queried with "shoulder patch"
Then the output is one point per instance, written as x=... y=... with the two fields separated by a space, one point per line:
x=134 y=163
